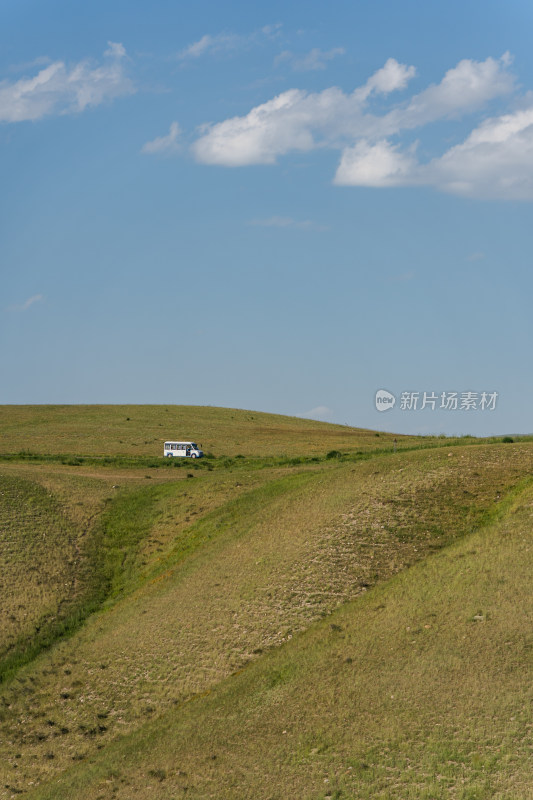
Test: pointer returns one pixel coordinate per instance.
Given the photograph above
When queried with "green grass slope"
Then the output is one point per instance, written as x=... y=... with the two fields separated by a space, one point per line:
x=208 y=573
x=421 y=688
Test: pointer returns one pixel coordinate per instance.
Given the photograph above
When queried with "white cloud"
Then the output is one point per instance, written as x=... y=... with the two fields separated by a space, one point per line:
x=294 y=120
x=208 y=43
x=464 y=88
x=58 y=89
x=391 y=77
x=288 y=222
x=164 y=144
x=276 y=127
x=301 y=121
x=380 y=164
x=495 y=161
x=316 y=59
x=320 y=412
x=227 y=42
x=272 y=30
x=115 y=50
x=196 y=49
x=36 y=298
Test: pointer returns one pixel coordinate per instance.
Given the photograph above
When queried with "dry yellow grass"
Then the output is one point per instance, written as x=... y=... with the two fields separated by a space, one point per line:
x=142 y=430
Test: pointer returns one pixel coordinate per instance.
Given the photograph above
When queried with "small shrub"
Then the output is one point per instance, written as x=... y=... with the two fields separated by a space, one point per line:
x=334 y=454
x=508 y=440
x=160 y=774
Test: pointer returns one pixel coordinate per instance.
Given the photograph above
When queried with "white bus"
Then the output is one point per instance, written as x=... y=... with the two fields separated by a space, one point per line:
x=184 y=449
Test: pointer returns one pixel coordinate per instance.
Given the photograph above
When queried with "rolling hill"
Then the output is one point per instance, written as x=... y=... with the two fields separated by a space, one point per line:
x=270 y=623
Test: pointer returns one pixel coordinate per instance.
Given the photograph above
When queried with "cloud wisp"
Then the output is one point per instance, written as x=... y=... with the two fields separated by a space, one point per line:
x=226 y=42
x=319 y=412
x=315 y=59
x=221 y=42
x=36 y=298
x=164 y=145
x=62 y=89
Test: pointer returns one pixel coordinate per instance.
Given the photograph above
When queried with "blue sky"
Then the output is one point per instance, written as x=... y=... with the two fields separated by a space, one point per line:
x=282 y=207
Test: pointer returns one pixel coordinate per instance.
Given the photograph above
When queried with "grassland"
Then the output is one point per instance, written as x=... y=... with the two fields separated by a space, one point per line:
x=421 y=688
x=339 y=627
x=141 y=431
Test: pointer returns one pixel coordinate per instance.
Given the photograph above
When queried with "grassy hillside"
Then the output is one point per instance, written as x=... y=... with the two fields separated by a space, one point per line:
x=36 y=559
x=311 y=582
x=51 y=560
x=421 y=688
x=142 y=430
